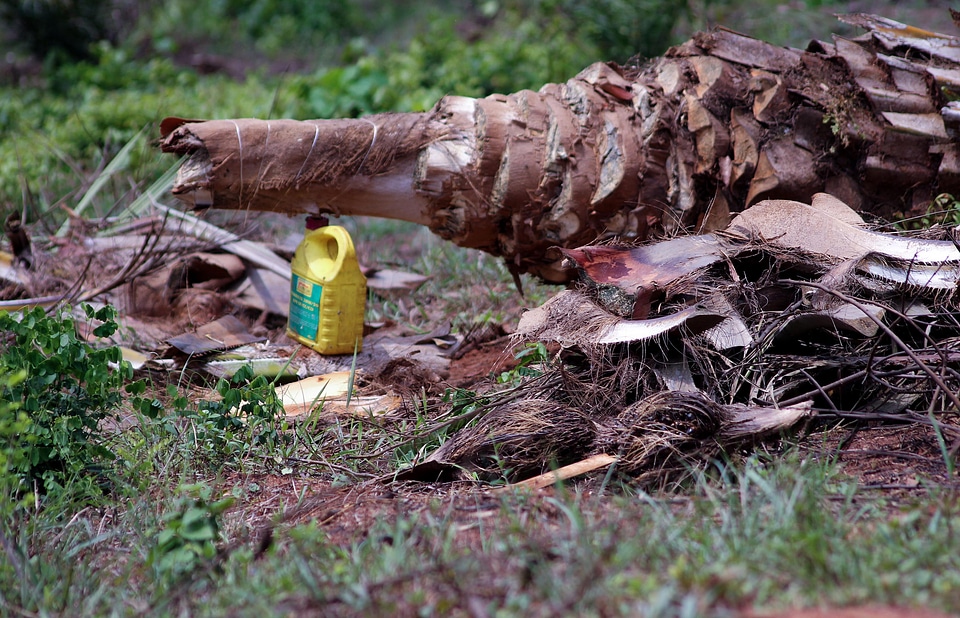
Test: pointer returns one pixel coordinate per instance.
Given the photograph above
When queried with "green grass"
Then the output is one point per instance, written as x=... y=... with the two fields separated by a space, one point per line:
x=758 y=534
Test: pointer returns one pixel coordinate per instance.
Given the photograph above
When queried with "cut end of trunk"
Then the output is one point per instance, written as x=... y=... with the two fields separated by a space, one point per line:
x=322 y=166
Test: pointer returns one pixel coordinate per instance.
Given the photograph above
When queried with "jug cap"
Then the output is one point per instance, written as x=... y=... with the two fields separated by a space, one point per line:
x=315 y=222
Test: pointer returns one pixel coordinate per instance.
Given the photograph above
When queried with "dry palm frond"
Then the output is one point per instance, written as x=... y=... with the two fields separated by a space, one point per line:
x=519 y=439
x=658 y=432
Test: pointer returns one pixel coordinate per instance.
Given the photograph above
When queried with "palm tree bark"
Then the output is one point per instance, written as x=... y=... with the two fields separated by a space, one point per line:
x=717 y=124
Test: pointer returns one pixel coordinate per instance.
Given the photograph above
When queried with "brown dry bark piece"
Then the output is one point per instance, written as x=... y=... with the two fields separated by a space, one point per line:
x=630 y=279
x=723 y=120
x=19 y=241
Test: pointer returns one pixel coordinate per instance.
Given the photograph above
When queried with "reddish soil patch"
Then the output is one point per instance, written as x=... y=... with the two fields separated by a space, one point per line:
x=892 y=459
x=896 y=462
x=482 y=362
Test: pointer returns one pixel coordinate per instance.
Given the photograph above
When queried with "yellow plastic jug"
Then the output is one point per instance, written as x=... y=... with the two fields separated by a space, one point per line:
x=328 y=293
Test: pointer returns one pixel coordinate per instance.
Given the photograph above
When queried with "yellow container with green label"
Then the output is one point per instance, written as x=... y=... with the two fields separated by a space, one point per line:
x=328 y=293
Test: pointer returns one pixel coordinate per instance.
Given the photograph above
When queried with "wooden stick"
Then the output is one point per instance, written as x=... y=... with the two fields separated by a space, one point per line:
x=594 y=462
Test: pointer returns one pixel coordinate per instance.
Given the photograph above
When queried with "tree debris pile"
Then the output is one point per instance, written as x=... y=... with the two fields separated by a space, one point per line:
x=674 y=351
x=164 y=271
x=718 y=124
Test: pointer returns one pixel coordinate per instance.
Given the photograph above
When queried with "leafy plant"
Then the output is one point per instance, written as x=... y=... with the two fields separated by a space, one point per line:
x=65 y=387
x=15 y=442
x=189 y=533
x=945 y=210
x=622 y=29
x=264 y=26
x=521 y=52
x=273 y=23
x=65 y=29
x=247 y=419
x=530 y=361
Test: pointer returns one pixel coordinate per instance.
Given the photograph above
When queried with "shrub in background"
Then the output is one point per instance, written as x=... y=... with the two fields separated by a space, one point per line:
x=65 y=30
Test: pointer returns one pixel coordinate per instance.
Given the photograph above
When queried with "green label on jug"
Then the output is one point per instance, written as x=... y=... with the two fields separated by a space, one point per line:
x=305 y=307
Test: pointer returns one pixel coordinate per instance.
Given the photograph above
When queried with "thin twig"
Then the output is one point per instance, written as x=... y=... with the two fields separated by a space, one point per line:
x=328 y=464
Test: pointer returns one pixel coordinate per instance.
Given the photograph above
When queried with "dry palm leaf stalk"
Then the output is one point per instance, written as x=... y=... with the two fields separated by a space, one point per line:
x=718 y=124
x=769 y=322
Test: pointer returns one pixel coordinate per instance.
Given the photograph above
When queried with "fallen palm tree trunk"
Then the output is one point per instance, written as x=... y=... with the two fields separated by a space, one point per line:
x=719 y=123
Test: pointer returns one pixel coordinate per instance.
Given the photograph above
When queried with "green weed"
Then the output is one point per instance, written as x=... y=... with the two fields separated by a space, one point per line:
x=66 y=388
x=246 y=422
x=945 y=210
x=16 y=441
x=531 y=361
x=188 y=534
